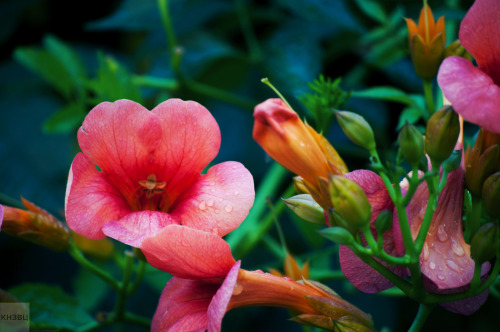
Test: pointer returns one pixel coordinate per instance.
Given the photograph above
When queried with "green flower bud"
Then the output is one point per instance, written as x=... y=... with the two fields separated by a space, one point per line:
x=338 y=235
x=484 y=243
x=491 y=195
x=441 y=134
x=305 y=207
x=350 y=201
x=357 y=129
x=477 y=172
x=411 y=144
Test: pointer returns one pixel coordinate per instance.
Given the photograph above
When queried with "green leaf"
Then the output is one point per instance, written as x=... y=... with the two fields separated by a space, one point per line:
x=409 y=115
x=89 y=289
x=338 y=235
x=65 y=120
x=113 y=82
x=388 y=93
x=50 y=307
x=47 y=66
x=372 y=9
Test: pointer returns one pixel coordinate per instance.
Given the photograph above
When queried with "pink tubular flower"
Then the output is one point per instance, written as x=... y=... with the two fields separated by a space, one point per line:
x=220 y=285
x=445 y=260
x=473 y=91
x=138 y=175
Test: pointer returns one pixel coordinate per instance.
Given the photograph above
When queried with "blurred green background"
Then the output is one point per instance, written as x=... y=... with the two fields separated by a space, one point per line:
x=61 y=58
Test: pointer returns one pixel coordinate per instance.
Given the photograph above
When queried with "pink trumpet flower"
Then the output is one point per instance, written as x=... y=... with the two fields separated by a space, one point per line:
x=445 y=260
x=473 y=91
x=208 y=282
x=138 y=175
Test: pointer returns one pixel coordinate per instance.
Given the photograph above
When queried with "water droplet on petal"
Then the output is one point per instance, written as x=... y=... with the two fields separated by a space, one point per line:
x=238 y=288
x=202 y=206
x=452 y=265
x=432 y=265
x=228 y=208
x=210 y=202
x=425 y=252
x=441 y=233
x=457 y=248
x=441 y=277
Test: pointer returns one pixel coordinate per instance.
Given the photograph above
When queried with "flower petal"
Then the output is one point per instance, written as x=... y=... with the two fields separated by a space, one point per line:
x=218 y=305
x=91 y=201
x=480 y=35
x=183 y=305
x=133 y=228
x=188 y=253
x=190 y=140
x=219 y=201
x=472 y=92
x=120 y=139
x=1 y=216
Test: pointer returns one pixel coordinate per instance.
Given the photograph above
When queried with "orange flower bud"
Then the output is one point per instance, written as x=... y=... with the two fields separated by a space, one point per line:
x=294 y=144
x=35 y=225
x=427 y=43
x=292 y=269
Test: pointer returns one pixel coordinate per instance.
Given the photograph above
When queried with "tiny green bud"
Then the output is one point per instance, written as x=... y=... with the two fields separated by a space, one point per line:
x=356 y=128
x=491 y=195
x=306 y=208
x=484 y=243
x=338 y=235
x=411 y=143
x=299 y=185
x=441 y=134
x=350 y=201
x=383 y=222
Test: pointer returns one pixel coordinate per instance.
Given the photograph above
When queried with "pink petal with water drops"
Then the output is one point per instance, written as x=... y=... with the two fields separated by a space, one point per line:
x=188 y=253
x=219 y=201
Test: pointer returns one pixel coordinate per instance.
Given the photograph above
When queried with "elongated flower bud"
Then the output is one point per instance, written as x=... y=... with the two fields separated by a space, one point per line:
x=441 y=134
x=357 y=129
x=491 y=195
x=306 y=208
x=484 y=243
x=411 y=144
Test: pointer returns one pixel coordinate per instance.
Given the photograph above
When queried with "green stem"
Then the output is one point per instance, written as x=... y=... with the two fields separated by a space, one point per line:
x=156 y=82
x=78 y=256
x=423 y=313
x=138 y=279
x=475 y=218
x=122 y=293
x=429 y=97
x=167 y=23
x=248 y=33
x=277 y=224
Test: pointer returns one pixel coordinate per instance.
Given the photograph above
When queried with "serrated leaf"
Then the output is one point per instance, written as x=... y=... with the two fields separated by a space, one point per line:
x=65 y=120
x=51 y=307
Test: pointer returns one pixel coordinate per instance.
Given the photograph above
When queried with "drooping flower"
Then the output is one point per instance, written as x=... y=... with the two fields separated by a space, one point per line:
x=475 y=91
x=200 y=304
x=427 y=41
x=445 y=260
x=35 y=225
x=139 y=172
x=296 y=146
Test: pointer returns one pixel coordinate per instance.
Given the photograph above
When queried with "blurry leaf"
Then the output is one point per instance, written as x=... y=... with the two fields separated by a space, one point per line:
x=69 y=59
x=323 y=12
x=46 y=65
x=308 y=231
x=57 y=63
x=372 y=9
x=113 y=82
x=50 y=307
x=409 y=115
x=89 y=289
x=66 y=119
x=157 y=279
x=384 y=93
x=292 y=55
